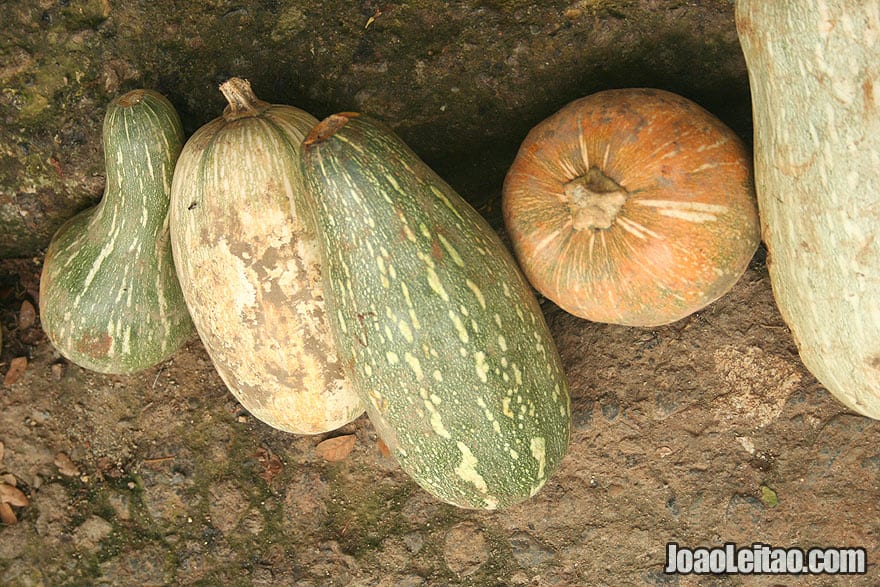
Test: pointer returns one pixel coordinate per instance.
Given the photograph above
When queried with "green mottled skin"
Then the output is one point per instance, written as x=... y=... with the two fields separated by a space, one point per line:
x=434 y=323
x=109 y=296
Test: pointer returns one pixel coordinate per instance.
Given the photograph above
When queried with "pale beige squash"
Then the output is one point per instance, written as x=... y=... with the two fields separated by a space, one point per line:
x=814 y=69
x=249 y=270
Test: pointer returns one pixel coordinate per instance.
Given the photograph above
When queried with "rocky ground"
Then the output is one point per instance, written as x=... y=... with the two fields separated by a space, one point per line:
x=703 y=432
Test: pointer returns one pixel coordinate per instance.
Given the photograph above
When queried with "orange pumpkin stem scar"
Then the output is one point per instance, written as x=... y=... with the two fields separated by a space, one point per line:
x=594 y=200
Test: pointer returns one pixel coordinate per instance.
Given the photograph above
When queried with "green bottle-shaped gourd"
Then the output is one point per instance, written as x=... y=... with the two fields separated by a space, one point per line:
x=109 y=296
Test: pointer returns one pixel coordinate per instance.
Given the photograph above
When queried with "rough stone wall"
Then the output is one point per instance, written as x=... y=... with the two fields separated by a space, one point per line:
x=462 y=82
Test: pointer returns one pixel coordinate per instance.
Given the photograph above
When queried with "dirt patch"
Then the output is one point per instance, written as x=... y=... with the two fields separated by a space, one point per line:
x=705 y=431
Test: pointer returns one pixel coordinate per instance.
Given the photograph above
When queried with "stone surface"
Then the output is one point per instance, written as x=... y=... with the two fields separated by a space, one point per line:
x=465 y=549
x=167 y=463
x=90 y=533
x=527 y=551
x=461 y=82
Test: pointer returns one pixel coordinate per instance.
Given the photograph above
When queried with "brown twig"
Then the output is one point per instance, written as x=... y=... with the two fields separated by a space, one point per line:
x=157 y=460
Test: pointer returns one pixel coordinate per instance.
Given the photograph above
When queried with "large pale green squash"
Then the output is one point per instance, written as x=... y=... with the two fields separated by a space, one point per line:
x=250 y=271
x=434 y=323
x=814 y=68
x=109 y=296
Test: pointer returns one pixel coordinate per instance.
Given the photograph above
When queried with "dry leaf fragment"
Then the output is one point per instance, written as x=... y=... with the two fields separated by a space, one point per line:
x=27 y=315
x=7 y=516
x=383 y=448
x=12 y=495
x=272 y=465
x=17 y=367
x=336 y=448
x=2 y=451
x=65 y=465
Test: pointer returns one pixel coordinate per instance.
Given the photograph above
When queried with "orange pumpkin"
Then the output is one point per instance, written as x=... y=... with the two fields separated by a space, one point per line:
x=632 y=207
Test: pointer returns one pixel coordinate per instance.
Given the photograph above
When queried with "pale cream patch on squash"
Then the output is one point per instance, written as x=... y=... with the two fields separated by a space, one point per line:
x=698 y=212
x=436 y=421
x=467 y=468
x=481 y=366
x=415 y=365
x=505 y=407
x=459 y=327
x=477 y=293
x=453 y=253
x=436 y=286
x=405 y=330
x=537 y=446
x=238 y=284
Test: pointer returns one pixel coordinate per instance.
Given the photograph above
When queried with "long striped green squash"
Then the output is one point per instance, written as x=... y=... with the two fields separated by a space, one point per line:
x=435 y=325
x=109 y=296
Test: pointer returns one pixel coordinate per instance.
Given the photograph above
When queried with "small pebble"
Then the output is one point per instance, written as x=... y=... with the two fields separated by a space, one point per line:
x=57 y=371
x=27 y=315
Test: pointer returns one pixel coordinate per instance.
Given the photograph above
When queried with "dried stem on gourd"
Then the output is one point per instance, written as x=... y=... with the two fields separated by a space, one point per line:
x=594 y=199
x=131 y=98
x=241 y=98
x=327 y=128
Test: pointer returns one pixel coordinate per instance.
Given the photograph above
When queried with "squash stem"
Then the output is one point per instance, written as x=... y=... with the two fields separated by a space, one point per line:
x=241 y=98
x=594 y=200
x=131 y=98
x=327 y=128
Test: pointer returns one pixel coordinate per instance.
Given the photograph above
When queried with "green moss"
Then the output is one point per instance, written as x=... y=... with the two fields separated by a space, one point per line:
x=291 y=22
x=79 y=14
x=361 y=516
x=613 y=8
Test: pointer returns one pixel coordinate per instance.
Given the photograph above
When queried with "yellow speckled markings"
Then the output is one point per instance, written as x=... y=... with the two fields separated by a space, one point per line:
x=455 y=363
